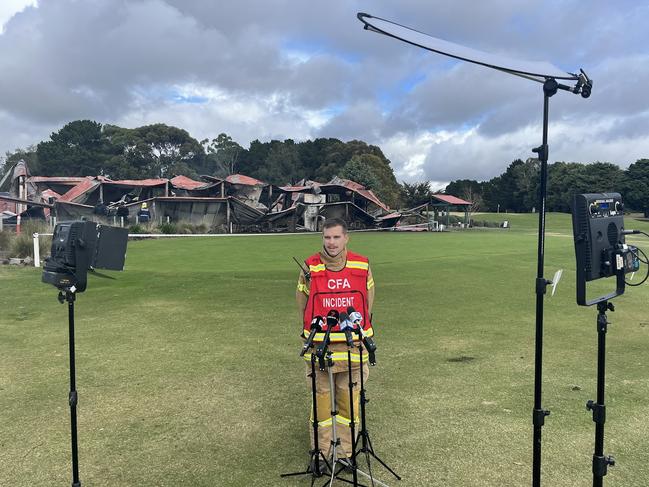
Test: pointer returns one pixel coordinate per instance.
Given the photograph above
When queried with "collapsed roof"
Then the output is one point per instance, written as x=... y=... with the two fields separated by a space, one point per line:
x=235 y=203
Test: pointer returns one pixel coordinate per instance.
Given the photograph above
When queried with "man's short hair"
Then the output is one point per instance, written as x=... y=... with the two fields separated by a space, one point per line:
x=335 y=222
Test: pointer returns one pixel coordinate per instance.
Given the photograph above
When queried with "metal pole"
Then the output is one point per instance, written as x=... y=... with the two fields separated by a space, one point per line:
x=37 y=254
x=73 y=397
x=538 y=415
x=600 y=461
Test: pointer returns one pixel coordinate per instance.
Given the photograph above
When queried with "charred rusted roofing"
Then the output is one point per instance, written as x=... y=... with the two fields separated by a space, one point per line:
x=183 y=182
x=451 y=200
x=245 y=180
x=83 y=187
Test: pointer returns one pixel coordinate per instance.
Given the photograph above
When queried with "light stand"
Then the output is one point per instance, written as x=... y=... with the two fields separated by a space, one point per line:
x=544 y=73
x=600 y=462
x=70 y=297
x=550 y=88
x=539 y=414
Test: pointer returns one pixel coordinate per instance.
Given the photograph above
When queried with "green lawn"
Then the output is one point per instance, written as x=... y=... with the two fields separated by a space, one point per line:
x=188 y=370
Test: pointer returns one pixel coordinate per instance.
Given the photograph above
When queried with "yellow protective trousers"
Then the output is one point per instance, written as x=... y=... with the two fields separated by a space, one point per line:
x=342 y=400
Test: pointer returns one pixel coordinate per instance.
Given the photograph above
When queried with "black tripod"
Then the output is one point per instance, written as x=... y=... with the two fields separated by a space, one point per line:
x=600 y=462
x=313 y=467
x=365 y=442
x=70 y=297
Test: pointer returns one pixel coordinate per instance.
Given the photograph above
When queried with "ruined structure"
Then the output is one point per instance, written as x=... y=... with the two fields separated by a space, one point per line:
x=237 y=203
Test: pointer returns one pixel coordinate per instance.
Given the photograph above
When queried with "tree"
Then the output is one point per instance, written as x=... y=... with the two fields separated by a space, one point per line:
x=378 y=169
x=565 y=179
x=222 y=155
x=474 y=197
x=358 y=170
x=78 y=149
x=636 y=186
x=415 y=194
x=282 y=165
x=157 y=150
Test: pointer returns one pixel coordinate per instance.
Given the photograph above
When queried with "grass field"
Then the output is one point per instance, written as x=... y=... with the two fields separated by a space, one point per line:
x=188 y=370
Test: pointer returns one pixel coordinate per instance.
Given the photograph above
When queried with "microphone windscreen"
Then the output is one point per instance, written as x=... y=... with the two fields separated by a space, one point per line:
x=355 y=317
x=332 y=318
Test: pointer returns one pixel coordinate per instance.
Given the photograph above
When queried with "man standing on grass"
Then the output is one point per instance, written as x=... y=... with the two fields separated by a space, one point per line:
x=339 y=279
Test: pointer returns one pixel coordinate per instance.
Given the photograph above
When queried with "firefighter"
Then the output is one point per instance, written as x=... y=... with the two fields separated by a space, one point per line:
x=338 y=279
x=144 y=215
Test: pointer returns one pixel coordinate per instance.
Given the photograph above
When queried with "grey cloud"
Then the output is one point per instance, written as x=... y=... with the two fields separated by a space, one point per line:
x=112 y=60
x=360 y=121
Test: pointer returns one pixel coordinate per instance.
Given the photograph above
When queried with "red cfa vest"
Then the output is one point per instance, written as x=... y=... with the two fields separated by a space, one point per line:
x=337 y=290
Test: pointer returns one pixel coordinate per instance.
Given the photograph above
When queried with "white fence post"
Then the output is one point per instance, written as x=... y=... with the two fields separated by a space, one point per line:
x=37 y=251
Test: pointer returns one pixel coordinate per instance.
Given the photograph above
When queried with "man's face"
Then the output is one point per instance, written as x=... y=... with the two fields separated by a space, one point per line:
x=334 y=240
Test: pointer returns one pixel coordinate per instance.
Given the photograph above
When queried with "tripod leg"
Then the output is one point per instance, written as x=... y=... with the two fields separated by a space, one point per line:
x=313 y=467
x=371 y=452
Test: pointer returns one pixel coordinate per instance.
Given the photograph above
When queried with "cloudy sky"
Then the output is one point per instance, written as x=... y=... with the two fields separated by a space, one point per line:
x=276 y=69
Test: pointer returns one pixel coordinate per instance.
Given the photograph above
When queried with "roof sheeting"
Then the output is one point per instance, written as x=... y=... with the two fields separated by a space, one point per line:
x=183 y=182
x=356 y=188
x=48 y=193
x=451 y=200
x=80 y=189
x=246 y=180
x=138 y=183
x=56 y=179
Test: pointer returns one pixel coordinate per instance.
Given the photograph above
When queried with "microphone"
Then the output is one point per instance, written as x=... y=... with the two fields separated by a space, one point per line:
x=332 y=320
x=316 y=327
x=347 y=326
x=354 y=316
x=370 y=344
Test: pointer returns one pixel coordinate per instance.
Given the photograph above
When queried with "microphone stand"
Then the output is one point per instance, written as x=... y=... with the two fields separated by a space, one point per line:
x=313 y=467
x=352 y=426
x=366 y=443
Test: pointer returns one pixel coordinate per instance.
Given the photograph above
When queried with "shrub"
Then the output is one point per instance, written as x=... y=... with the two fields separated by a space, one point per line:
x=22 y=245
x=5 y=239
x=168 y=228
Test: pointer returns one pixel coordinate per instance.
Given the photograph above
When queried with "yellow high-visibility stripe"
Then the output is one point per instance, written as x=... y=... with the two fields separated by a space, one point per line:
x=357 y=264
x=303 y=288
x=340 y=357
x=341 y=420
x=370 y=283
x=345 y=421
x=317 y=268
x=325 y=423
x=336 y=337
